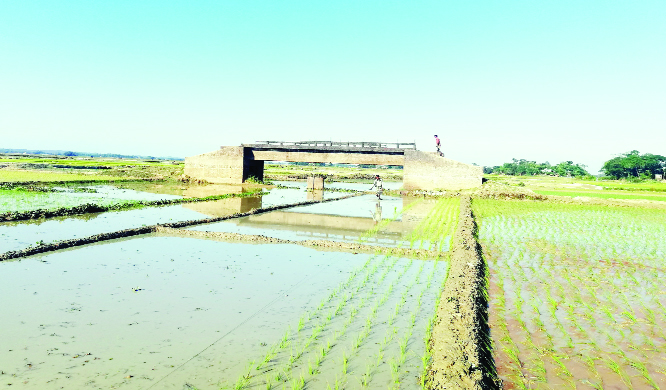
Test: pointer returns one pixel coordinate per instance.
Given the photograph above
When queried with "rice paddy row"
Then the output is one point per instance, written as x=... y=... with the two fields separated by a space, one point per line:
x=576 y=294
x=373 y=330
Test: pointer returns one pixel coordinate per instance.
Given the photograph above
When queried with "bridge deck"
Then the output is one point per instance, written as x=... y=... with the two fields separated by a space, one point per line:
x=334 y=147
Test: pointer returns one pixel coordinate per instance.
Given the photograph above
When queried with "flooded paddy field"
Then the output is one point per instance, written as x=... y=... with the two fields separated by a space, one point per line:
x=157 y=311
x=144 y=306
x=20 y=235
x=577 y=295
x=59 y=197
x=410 y=223
x=344 y=220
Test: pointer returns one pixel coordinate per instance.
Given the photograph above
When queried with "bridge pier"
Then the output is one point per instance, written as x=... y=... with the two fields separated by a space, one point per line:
x=422 y=171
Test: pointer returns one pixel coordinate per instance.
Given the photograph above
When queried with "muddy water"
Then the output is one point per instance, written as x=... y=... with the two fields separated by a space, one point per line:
x=153 y=310
x=344 y=220
x=182 y=189
x=361 y=206
x=166 y=312
x=279 y=196
x=20 y=235
x=116 y=193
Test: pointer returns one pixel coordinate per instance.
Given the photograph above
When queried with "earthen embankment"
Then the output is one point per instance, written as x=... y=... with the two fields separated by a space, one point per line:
x=460 y=344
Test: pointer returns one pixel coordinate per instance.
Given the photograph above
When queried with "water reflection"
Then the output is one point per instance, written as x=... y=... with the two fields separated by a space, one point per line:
x=224 y=207
x=317 y=195
x=345 y=220
x=184 y=190
x=377 y=215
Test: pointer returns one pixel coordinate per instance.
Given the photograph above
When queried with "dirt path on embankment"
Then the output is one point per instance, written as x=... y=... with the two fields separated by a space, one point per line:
x=460 y=344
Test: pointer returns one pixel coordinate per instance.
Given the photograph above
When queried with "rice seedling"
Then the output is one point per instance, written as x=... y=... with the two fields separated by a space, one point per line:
x=298 y=384
x=394 y=371
x=339 y=384
x=345 y=363
x=284 y=342
x=313 y=368
x=598 y=283
x=301 y=322
x=270 y=354
x=280 y=376
x=403 y=349
x=365 y=378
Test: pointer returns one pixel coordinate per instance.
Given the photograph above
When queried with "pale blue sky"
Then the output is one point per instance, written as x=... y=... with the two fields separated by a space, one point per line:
x=546 y=81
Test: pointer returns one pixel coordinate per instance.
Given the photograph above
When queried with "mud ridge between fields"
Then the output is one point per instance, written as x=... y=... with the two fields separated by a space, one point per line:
x=460 y=343
x=325 y=245
x=149 y=229
x=95 y=208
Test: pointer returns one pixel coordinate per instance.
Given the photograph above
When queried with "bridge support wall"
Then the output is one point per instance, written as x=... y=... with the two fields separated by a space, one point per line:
x=221 y=166
x=424 y=171
x=428 y=171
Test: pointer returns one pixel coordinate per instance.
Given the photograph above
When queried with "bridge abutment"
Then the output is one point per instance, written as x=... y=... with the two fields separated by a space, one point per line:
x=429 y=171
x=422 y=171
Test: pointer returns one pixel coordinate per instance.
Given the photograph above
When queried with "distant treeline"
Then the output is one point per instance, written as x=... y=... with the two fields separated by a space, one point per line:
x=633 y=165
x=524 y=167
x=69 y=153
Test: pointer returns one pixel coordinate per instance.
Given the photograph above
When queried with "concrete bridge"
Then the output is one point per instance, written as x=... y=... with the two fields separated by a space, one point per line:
x=421 y=170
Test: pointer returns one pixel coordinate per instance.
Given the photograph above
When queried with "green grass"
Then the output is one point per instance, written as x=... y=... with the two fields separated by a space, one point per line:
x=21 y=201
x=15 y=204
x=81 y=163
x=624 y=186
x=603 y=195
x=39 y=176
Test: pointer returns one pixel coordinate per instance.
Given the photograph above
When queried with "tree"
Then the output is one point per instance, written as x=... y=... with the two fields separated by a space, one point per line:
x=524 y=167
x=568 y=168
x=634 y=165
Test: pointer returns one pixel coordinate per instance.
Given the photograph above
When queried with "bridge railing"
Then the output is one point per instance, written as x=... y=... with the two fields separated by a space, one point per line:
x=348 y=144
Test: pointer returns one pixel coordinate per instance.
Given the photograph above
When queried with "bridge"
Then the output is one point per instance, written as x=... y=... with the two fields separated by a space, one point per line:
x=421 y=170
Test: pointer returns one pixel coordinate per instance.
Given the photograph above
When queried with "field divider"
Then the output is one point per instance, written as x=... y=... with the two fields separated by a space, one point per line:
x=89 y=208
x=460 y=343
x=174 y=228
x=64 y=244
x=336 y=246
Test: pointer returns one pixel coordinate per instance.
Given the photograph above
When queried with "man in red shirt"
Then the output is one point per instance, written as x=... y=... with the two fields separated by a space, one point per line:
x=438 y=144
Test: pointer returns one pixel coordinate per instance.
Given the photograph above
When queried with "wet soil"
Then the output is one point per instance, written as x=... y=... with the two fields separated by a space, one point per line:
x=325 y=245
x=461 y=345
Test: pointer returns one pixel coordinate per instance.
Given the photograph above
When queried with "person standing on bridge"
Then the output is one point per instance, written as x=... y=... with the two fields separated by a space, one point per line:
x=438 y=144
x=378 y=185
